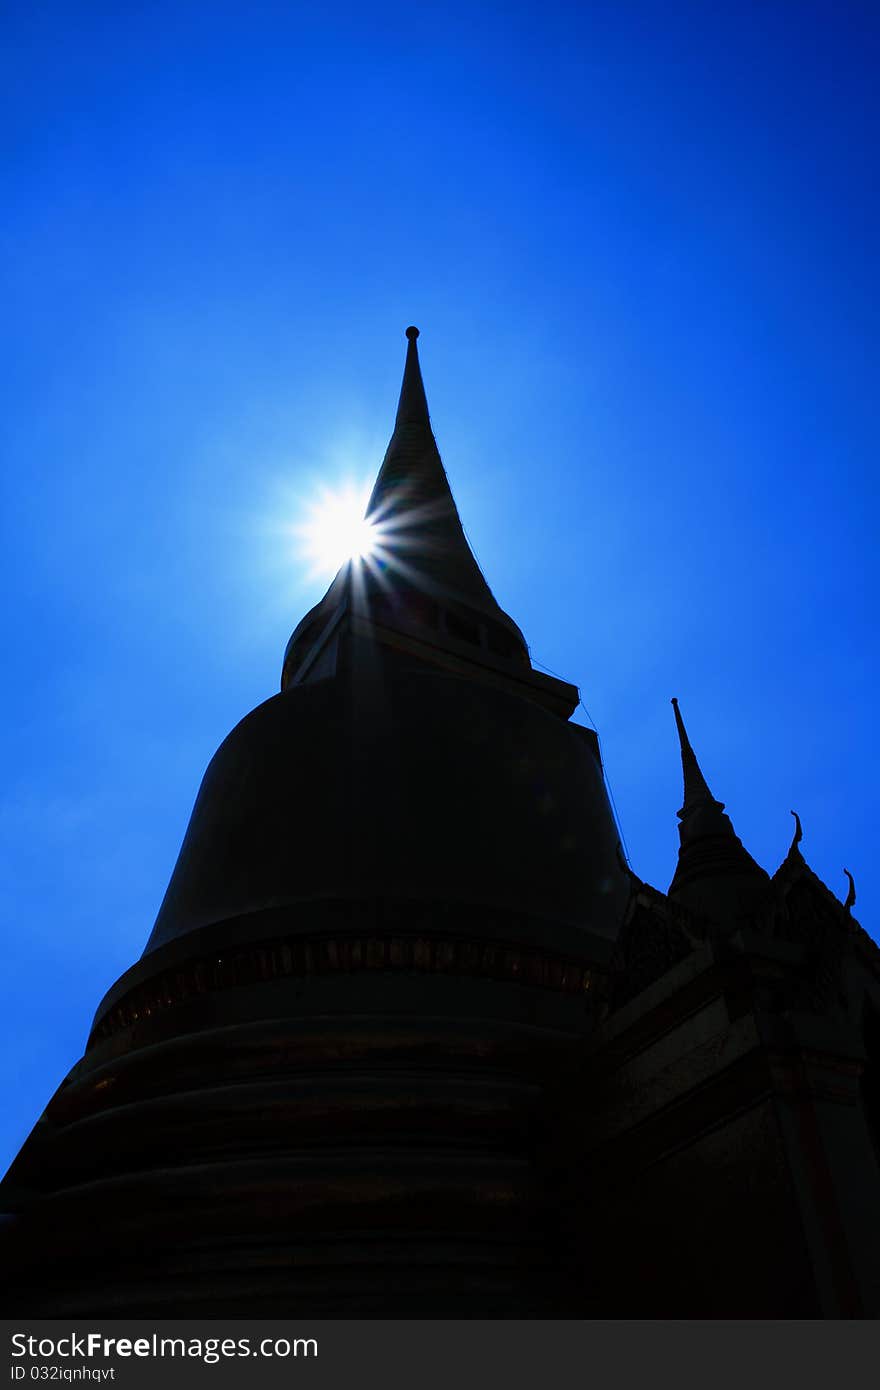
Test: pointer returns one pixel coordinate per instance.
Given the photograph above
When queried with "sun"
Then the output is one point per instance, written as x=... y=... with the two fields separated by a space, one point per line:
x=334 y=529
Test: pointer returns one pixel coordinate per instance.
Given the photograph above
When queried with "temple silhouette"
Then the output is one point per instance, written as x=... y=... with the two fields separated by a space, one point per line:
x=411 y=1039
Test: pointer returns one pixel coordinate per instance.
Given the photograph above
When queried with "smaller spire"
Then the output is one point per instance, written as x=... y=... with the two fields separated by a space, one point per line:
x=412 y=408
x=715 y=877
x=696 y=789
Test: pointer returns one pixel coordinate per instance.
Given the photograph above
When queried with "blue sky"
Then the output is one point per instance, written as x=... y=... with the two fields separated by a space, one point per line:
x=640 y=242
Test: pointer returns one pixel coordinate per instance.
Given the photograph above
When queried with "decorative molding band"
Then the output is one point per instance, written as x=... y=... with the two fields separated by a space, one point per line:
x=299 y=957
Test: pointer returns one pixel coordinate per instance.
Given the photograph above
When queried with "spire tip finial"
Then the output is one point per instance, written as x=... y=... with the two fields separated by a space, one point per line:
x=412 y=333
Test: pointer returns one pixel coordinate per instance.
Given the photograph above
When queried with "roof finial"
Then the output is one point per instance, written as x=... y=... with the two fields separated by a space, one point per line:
x=851 y=895
x=798 y=832
x=696 y=789
x=412 y=333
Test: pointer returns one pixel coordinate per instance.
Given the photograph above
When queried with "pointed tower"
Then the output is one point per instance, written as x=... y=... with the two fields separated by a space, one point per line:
x=414 y=513
x=716 y=877
x=423 y=591
x=395 y=905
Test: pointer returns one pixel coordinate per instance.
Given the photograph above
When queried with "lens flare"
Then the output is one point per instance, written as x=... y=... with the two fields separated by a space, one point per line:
x=335 y=529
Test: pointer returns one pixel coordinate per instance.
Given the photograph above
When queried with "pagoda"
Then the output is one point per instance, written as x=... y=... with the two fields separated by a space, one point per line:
x=410 y=1038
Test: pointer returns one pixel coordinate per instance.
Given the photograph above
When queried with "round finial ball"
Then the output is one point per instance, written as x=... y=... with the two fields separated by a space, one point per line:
x=412 y=333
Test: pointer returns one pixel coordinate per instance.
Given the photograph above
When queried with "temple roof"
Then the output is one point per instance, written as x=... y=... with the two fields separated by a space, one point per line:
x=794 y=867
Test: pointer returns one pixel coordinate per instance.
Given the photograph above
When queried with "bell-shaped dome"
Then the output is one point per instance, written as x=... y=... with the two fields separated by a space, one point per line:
x=399 y=784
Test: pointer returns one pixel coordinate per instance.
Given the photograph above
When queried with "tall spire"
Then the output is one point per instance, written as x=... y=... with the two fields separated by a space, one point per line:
x=414 y=511
x=421 y=574
x=696 y=789
x=715 y=877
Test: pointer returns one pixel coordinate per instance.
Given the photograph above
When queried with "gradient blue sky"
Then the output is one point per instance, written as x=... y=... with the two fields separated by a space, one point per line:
x=640 y=240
